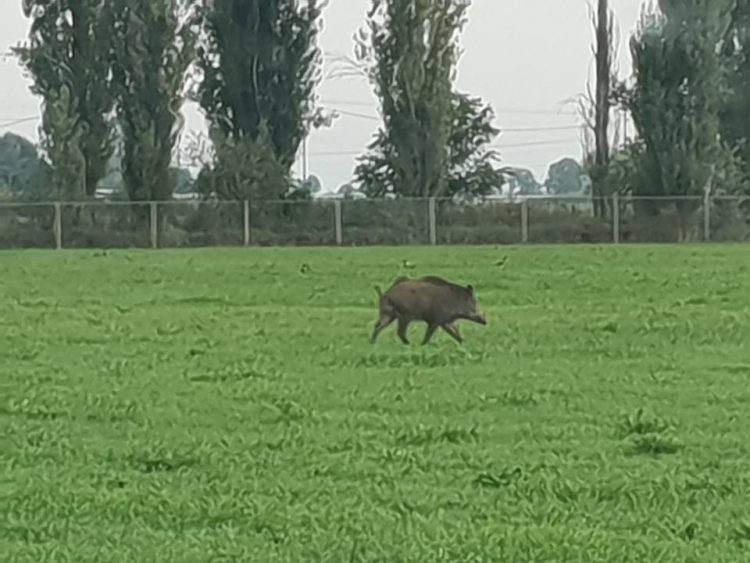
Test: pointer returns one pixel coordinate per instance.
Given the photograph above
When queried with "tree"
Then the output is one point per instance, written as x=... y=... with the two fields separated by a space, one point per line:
x=244 y=169
x=472 y=169
x=566 y=177
x=433 y=141
x=260 y=64
x=312 y=185
x=604 y=54
x=521 y=181
x=183 y=180
x=345 y=189
x=67 y=56
x=154 y=49
x=22 y=171
x=735 y=127
x=596 y=107
x=470 y=166
x=676 y=99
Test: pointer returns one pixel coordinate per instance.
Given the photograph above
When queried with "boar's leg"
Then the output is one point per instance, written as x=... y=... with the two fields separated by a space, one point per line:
x=453 y=331
x=402 y=326
x=431 y=328
x=380 y=325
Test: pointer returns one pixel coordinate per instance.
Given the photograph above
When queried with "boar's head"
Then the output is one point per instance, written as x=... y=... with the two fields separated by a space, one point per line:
x=468 y=307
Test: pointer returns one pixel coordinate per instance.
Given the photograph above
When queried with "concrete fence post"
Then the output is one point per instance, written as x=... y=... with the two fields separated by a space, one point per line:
x=246 y=221
x=616 y=218
x=525 y=221
x=153 y=206
x=432 y=220
x=57 y=225
x=338 y=226
x=707 y=200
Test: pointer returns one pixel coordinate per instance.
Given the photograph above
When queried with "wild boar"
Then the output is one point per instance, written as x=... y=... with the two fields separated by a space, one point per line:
x=431 y=299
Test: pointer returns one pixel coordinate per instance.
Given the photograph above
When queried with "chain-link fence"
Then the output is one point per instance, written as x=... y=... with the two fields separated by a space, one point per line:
x=492 y=222
x=27 y=226
x=328 y=222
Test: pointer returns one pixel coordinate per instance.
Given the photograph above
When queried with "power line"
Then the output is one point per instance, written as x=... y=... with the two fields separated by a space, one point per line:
x=536 y=144
x=499 y=147
x=349 y=103
x=517 y=148
x=356 y=114
x=336 y=153
x=502 y=129
x=4 y=124
x=522 y=129
x=533 y=112
x=496 y=109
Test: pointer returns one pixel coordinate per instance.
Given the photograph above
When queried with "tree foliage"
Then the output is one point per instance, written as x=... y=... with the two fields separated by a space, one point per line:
x=470 y=161
x=597 y=163
x=521 y=181
x=67 y=57
x=433 y=141
x=472 y=169
x=676 y=101
x=155 y=40
x=734 y=124
x=677 y=95
x=22 y=171
x=566 y=177
x=244 y=169
x=260 y=64
x=604 y=25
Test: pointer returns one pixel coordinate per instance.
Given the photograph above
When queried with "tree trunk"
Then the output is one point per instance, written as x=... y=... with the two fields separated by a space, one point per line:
x=602 y=109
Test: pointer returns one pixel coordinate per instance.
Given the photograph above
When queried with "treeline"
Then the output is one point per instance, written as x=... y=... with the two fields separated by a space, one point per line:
x=688 y=98
x=115 y=75
x=121 y=71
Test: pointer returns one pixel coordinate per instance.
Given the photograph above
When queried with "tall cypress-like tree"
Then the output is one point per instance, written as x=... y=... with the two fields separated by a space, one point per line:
x=735 y=125
x=260 y=65
x=677 y=95
x=155 y=40
x=67 y=56
x=604 y=53
x=595 y=107
x=676 y=99
x=434 y=140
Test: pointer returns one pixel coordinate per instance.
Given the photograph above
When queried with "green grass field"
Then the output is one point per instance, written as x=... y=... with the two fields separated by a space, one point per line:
x=226 y=405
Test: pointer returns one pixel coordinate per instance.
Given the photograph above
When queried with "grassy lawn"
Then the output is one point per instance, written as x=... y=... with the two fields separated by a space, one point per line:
x=226 y=405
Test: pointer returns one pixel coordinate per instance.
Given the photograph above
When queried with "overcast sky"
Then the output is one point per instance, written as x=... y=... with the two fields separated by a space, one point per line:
x=525 y=57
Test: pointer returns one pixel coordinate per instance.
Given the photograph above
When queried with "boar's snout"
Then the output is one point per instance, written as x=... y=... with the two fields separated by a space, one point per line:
x=479 y=318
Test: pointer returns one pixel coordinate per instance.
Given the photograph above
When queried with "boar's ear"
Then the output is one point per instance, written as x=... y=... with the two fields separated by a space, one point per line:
x=470 y=289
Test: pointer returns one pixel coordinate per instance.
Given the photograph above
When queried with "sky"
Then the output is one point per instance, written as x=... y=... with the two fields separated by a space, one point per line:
x=527 y=58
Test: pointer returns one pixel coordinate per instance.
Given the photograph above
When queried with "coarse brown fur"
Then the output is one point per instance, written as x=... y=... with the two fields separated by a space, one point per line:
x=431 y=299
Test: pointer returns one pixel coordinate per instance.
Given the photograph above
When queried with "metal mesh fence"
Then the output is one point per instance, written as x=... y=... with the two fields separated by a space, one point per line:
x=536 y=220
x=27 y=226
x=105 y=225
x=730 y=219
x=662 y=220
x=568 y=220
x=200 y=224
x=385 y=222
x=293 y=223
x=490 y=222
